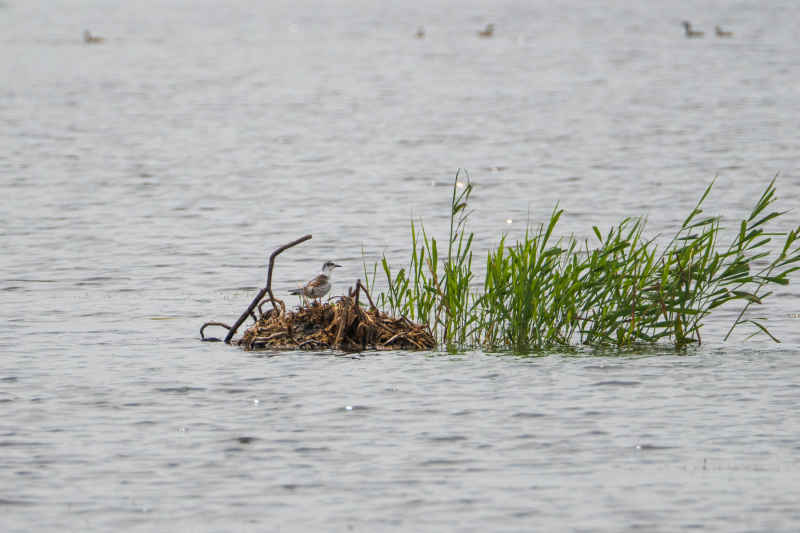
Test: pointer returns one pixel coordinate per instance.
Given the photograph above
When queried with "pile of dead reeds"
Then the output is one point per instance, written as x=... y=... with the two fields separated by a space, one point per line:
x=343 y=325
x=347 y=324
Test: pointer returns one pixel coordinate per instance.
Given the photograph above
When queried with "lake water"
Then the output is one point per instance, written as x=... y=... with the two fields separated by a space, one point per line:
x=145 y=180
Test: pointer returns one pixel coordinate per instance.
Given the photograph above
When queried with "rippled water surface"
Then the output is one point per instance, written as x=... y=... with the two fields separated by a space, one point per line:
x=145 y=179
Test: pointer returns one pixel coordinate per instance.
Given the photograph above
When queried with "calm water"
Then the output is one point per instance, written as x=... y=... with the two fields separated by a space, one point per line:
x=145 y=179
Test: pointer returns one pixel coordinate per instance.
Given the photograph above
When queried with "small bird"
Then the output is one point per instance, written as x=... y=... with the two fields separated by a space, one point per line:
x=91 y=39
x=722 y=33
x=690 y=33
x=488 y=32
x=420 y=33
x=320 y=285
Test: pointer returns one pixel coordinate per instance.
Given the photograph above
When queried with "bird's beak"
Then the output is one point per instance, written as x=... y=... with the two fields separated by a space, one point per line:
x=336 y=265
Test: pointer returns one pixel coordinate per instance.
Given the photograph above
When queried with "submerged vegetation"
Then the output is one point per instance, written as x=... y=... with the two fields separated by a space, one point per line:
x=624 y=290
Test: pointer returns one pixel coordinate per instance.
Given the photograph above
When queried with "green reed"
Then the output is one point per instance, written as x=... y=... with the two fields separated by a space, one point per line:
x=623 y=291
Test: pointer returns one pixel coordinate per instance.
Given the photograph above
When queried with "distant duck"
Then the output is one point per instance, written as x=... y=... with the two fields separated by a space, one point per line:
x=690 y=33
x=91 y=39
x=722 y=33
x=488 y=32
x=420 y=33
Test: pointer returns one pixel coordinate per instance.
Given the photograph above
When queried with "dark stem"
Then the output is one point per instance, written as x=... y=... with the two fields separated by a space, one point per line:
x=265 y=290
x=272 y=264
x=361 y=286
x=232 y=331
x=204 y=326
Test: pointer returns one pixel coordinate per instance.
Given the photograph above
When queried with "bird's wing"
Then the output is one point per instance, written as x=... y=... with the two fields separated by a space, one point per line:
x=319 y=281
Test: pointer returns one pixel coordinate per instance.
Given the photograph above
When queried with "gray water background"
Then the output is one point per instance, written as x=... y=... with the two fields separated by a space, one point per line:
x=144 y=180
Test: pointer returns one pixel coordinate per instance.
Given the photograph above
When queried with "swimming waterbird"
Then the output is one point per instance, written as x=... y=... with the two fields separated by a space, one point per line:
x=320 y=285
x=722 y=33
x=89 y=38
x=690 y=33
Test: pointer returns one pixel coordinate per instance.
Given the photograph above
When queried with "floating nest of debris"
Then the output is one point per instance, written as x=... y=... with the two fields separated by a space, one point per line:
x=346 y=324
x=343 y=325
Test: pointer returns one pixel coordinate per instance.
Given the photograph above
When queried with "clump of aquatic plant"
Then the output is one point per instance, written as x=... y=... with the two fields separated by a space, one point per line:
x=624 y=290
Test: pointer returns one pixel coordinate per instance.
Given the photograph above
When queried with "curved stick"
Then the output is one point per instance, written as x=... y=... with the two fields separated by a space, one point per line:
x=272 y=263
x=265 y=290
x=203 y=327
x=261 y=312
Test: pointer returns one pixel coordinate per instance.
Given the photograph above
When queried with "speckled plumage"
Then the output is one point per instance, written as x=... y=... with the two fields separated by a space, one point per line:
x=319 y=285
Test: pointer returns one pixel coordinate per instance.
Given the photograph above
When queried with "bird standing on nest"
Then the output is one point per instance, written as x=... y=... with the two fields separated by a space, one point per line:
x=320 y=285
